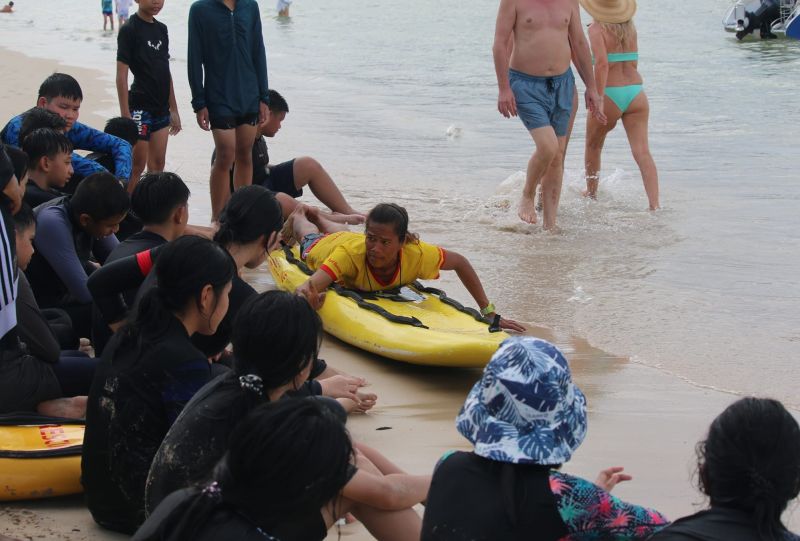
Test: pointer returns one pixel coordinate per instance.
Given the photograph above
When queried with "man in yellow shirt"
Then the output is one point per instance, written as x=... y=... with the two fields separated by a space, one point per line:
x=385 y=256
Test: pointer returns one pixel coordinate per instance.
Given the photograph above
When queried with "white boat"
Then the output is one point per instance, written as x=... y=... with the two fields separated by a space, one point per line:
x=772 y=18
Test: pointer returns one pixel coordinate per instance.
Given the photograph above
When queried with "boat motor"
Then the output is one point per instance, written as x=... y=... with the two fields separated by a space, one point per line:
x=739 y=15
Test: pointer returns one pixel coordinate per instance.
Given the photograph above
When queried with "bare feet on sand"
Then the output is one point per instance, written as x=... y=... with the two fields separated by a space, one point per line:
x=365 y=403
x=527 y=210
x=590 y=195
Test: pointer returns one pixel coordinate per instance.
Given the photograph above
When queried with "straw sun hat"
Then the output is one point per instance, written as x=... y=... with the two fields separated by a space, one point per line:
x=610 y=11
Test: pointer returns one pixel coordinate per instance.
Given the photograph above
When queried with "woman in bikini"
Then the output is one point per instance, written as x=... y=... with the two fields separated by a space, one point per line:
x=612 y=36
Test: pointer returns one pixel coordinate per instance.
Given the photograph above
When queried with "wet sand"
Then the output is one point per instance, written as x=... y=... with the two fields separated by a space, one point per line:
x=640 y=417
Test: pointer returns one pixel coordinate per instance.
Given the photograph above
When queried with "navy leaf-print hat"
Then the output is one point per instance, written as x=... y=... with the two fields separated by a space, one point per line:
x=525 y=409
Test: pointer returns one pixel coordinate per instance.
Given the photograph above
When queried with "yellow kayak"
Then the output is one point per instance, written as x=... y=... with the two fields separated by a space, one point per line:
x=419 y=325
x=39 y=460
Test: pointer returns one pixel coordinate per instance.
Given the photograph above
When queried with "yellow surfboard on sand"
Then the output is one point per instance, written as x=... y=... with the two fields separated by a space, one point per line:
x=40 y=460
x=434 y=332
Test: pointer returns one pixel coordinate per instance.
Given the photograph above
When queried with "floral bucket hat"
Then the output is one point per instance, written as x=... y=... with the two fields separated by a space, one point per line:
x=525 y=409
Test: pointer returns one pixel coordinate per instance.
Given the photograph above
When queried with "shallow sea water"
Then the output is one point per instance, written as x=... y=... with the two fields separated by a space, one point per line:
x=397 y=100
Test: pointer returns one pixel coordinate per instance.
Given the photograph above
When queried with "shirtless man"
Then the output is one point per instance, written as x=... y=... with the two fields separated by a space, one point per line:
x=536 y=39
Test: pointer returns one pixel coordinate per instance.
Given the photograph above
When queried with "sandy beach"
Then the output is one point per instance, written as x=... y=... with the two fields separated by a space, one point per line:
x=642 y=418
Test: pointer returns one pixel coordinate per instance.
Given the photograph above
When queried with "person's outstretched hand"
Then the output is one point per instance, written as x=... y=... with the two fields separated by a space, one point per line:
x=314 y=297
x=511 y=325
x=607 y=479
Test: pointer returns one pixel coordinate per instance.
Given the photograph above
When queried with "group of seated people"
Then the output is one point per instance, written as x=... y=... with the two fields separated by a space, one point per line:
x=209 y=413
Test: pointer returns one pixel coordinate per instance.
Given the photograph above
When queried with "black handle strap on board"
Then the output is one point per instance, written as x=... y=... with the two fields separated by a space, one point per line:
x=361 y=297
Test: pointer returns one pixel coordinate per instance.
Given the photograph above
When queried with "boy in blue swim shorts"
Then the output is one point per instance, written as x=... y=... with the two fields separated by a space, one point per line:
x=534 y=44
x=143 y=49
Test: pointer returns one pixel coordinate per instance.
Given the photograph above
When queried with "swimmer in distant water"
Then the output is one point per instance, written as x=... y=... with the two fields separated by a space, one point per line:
x=283 y=7
x=386 y=256
x=123 y=11
x=8 y=8
x=108 y=13
x=614 y=44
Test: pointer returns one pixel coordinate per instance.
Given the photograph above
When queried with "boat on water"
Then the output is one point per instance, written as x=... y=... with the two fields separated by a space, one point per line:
x=771 y=18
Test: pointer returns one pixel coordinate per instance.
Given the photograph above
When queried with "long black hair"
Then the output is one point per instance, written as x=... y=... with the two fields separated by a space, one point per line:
x=184 y=267
x=251 y=211
x=275 y=336
x=751 y=461
x=285 y=459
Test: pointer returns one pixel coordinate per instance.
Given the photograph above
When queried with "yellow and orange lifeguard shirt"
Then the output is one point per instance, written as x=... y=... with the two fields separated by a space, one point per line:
x=343 y=256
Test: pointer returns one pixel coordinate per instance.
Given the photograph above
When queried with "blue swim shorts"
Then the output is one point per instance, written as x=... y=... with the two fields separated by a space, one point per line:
x=543 y=101
x=148 y=123
x=308 y=242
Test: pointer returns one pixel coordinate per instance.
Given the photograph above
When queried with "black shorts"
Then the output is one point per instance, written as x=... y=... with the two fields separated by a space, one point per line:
x=25 y=381
x=231 y=122
x=281 y=179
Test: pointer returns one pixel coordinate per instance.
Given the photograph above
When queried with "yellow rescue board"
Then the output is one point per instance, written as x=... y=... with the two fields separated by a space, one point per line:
x=452 y=337
x=40 y=461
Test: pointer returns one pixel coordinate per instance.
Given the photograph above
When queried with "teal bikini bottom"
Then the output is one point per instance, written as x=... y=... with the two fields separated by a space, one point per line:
x=622 y=96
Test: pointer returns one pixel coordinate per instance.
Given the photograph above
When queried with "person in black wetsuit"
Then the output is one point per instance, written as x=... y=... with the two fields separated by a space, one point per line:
x=275 y=321
x=149 y=371
x=749 y=467
x=161 y=202
x=75 y=234
x=276 y=338
x=26 y=382
x=48 y=334
x=282 y=476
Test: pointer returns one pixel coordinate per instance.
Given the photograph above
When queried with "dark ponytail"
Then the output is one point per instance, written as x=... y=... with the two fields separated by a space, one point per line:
x=751 y=461
x=184 y=267
x=275 y=336
x=288 y=457
x=285 y=459
x=251 y=211
x=394 y=215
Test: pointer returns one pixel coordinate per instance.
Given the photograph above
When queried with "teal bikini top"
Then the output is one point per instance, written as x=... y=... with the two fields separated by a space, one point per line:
x=622 y=57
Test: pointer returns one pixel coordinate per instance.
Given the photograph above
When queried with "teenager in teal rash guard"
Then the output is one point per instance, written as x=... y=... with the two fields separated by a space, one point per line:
x=227 y=66
x=61 y=94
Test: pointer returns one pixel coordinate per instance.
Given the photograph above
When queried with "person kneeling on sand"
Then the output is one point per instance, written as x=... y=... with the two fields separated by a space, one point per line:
x=386 y=256
x=276 y=341
x=286 y=474
x=525 y=418
x=749 y=467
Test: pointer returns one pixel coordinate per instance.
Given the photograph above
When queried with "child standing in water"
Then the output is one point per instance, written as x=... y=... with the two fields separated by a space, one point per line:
x=123 y=8
x=108 y=14
x=143 y=47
